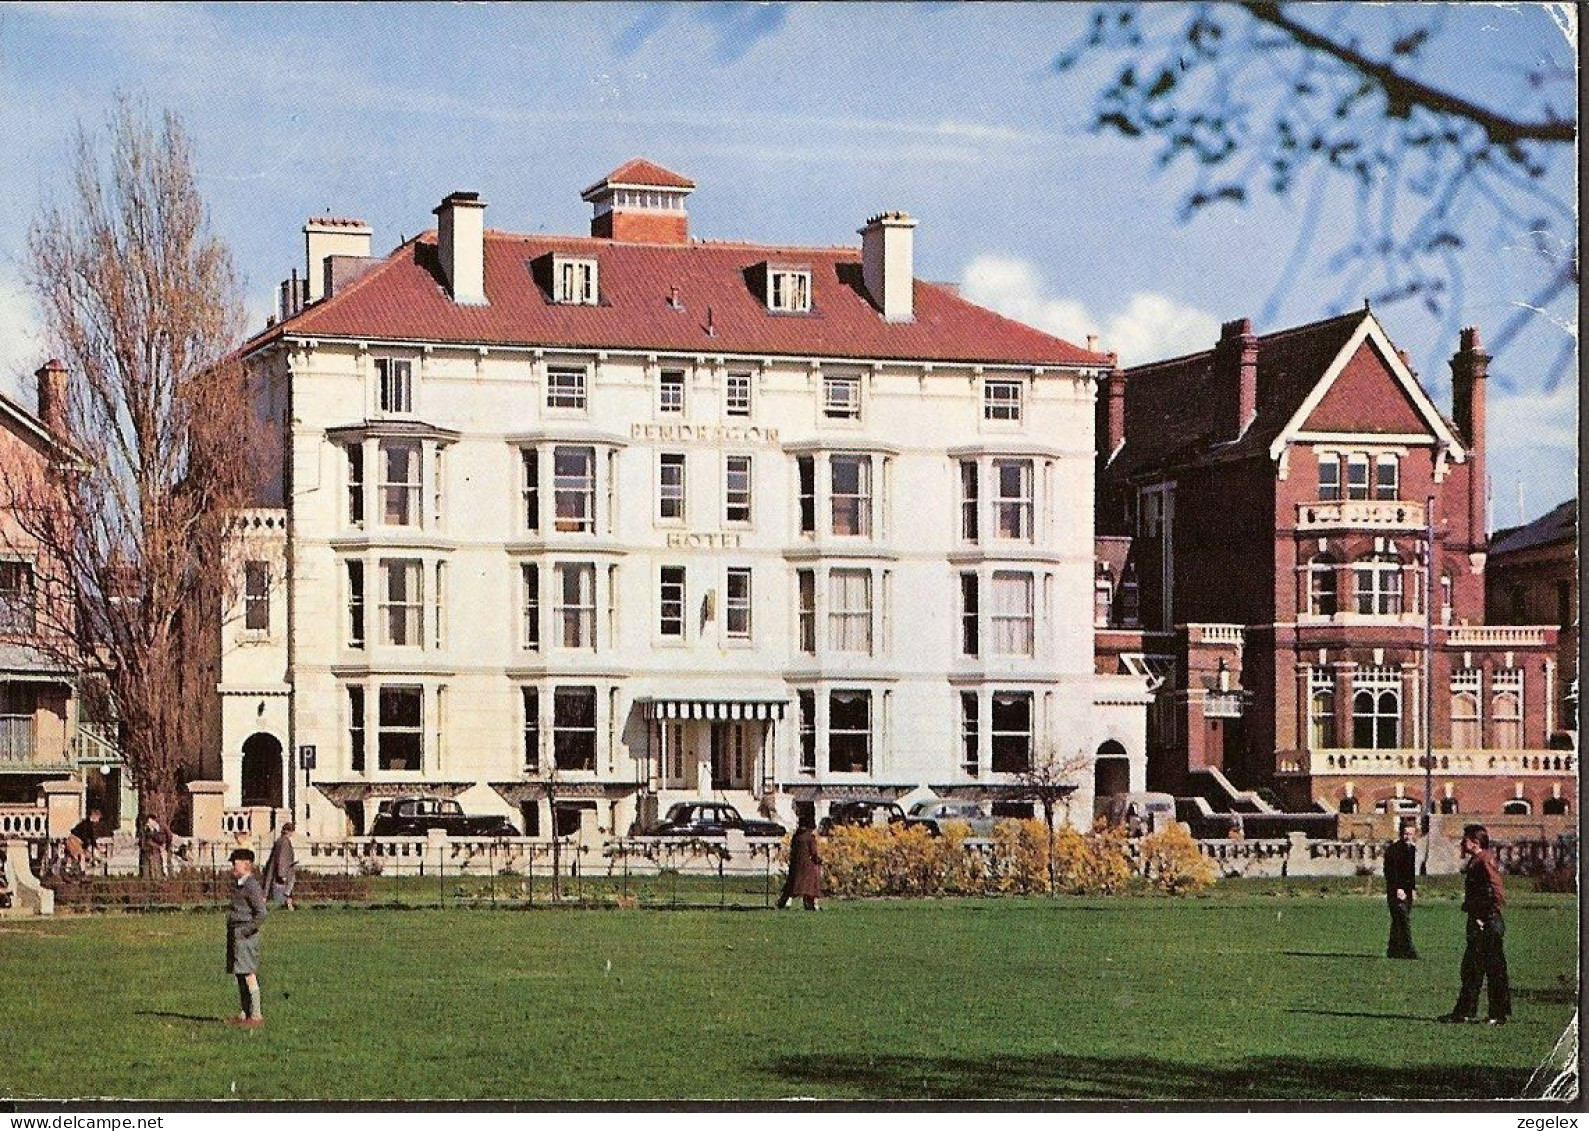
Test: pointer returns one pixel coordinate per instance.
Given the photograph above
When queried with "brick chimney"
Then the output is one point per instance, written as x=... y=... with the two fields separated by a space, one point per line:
x=1236 y=374
x=1470 y=369
x=641 y=202
x=460 y=244
x=325 y=236
x=1115 y=421
x=888 y=264
x=52 y=399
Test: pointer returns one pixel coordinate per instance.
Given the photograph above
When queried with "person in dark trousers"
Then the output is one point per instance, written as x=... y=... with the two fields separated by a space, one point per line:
x=1485 y=957
x=281 y=869
x=1401 y=884
x=243 y=921
x=82 y=840
x=805 y=869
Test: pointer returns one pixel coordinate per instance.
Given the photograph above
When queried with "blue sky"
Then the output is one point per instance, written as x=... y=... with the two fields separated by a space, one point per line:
x=796 y=123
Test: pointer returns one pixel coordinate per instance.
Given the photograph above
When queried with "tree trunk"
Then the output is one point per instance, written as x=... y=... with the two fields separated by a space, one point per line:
x=1048 y=819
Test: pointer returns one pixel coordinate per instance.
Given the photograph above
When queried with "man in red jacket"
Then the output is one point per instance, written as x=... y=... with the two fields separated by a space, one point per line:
x=1485 y=957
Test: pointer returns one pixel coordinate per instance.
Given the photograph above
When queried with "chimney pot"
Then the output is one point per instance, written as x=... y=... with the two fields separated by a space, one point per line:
x=1236 y=372
x=460 y=245
x=888 y=264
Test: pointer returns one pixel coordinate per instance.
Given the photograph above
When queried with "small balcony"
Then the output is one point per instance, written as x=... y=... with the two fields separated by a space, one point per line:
x=1495 y=636
x=1222 y=705
x=1360 y=514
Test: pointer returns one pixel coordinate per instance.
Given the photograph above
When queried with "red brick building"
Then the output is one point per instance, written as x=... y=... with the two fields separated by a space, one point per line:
x=1265 y=511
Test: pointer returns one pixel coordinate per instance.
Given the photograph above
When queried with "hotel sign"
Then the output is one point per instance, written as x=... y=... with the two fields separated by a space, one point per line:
x=704 y=433
x=693 y=540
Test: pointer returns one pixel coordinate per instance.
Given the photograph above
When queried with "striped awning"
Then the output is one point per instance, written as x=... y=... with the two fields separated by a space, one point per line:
x=714 y=709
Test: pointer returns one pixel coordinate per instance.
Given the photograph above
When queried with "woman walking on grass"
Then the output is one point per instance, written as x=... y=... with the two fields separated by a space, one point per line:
x=805 y=869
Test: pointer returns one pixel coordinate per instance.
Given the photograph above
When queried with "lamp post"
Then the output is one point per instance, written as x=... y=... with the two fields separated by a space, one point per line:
x=1425 y=685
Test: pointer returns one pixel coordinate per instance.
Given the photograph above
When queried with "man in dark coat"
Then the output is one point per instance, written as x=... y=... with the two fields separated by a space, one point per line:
x=805 y=869
x=281 y=869
x=1485 y=957
x=243 y=921
x=1401 y=884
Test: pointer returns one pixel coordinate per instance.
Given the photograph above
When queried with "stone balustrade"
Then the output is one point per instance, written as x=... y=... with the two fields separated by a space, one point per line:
x=1218 y=633
x=1401 y=762
x=1494 y=635
x=24 y=822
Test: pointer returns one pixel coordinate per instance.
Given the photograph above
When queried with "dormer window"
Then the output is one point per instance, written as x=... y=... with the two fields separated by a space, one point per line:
x=396 y=393
x=788 y=291
x=574 y=281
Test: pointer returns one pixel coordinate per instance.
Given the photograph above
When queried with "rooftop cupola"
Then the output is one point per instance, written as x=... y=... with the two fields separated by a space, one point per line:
x=640 y=202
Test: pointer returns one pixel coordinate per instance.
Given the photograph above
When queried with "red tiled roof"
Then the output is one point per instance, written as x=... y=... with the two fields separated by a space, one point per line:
x=639 y=171
x=1176 y=416
x=720 y=310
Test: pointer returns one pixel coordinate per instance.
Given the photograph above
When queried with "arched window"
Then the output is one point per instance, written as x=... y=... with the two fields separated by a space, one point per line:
x=1517 y=807
x=1506 y=717
x=1466 y=733
x=1376 y=719
x=1322 y=592
x=1378 y=585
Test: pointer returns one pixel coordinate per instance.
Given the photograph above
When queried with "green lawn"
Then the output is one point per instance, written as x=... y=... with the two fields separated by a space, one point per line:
x=1259 y=991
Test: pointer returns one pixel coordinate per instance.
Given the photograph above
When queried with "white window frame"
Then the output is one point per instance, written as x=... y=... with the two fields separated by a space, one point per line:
x=1387 y=488
x=1002 y=400
x=1359 y=477
x=575 y=281
x=409 y=491
x=851 y=629
x=357 y=603
x=672 y=391
x=256 y=598
x=530 y=604
x=673 y=602
x=788 y=290
x=738 y=606
x=841 y=396
x=1330 y=486
x=573 y=487
x=382 y=729
x=580 y=609
x=742 y=498
x=567 y=389
x=409 y=604
x=863 y=496
x=672 y=496
x=870 y=733
x=1385 y=593
x=593 y=730
x=738 y=395
x=394 y=391
x=1013 y=633
x=1022 y=506
x=1321 y=685
x=1028 y=734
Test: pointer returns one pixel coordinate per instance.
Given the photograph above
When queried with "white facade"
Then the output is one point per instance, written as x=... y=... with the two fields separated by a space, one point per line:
x=646 y=577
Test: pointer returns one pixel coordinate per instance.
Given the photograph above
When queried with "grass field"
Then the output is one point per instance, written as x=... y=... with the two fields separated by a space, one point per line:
x=1258 y=991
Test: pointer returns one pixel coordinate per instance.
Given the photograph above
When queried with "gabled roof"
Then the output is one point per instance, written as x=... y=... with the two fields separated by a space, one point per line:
x=639 y=172
x=1177 y=415
x=1560 y=524
x=719 y=311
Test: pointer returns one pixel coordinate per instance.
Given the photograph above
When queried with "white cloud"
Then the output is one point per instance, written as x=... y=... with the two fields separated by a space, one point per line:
x=1150 y=327
x=21 y=337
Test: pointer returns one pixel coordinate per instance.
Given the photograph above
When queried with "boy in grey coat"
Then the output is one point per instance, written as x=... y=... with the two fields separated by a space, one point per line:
x=243 y=921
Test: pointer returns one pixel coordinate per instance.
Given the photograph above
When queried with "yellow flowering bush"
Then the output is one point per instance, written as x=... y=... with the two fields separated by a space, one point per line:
x=895 y=860
x=1172 y=861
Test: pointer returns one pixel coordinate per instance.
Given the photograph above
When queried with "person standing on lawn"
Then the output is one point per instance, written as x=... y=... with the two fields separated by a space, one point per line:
x=1485 y=957
x=281 y=869
x=1401 y=884
x=244 y=919
x=805 y=869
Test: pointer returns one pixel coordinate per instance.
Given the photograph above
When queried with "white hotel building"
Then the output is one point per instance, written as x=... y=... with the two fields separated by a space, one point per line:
x=636 y=518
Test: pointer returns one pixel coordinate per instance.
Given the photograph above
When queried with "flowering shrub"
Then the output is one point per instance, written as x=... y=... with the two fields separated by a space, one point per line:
x=1172 y=861
x=899 y=861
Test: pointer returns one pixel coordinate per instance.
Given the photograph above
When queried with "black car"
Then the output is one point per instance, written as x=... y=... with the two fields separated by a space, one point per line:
x=861 y=811
x=416 y=816
x=710 y=818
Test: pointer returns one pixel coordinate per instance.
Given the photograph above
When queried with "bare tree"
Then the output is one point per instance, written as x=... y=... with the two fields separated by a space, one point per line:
x=143 y=304
x=1049 y=780
x=1306 y=99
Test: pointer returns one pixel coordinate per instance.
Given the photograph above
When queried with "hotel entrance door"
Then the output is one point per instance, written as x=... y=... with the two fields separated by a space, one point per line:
x=733 y=752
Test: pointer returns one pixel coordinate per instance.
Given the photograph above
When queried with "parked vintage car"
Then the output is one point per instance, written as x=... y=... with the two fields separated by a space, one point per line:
x=710 y=818
x=861 y=811
x=416 y=816
x=934 y=814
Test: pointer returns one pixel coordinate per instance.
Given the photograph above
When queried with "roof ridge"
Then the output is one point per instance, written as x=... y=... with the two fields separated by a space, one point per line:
x=335 y=299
